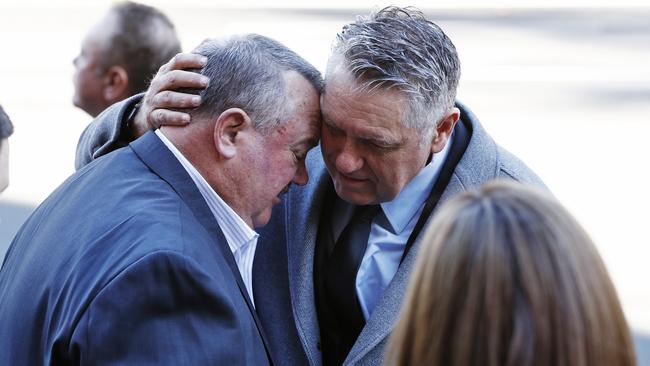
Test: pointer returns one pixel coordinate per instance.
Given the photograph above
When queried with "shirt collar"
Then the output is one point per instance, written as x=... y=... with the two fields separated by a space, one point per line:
x=410 y=200
x=236 y=231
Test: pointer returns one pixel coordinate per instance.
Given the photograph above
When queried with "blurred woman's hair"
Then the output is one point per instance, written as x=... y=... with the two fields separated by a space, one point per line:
x=506 y=276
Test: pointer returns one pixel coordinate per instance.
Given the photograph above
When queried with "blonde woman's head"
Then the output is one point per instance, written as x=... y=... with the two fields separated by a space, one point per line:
x=506 y=276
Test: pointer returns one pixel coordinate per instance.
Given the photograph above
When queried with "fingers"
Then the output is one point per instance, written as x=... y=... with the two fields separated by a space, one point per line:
x=160 y=117
x=174 y=87
x=184 y=61
x=178 y=79
x=171 y=99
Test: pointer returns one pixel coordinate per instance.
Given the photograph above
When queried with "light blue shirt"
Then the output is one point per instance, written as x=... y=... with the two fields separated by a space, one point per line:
x=389 y=232
x=242 y=240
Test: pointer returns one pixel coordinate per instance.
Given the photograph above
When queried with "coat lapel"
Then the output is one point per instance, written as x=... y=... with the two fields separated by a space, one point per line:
x=161 y=161
x=302 y=218
x=381 y=322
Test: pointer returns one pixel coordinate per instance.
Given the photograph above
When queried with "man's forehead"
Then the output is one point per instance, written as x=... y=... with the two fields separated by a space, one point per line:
x=344 y=96
x=302 y=129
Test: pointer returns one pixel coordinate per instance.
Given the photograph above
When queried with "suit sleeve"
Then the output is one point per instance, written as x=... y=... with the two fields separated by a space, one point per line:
x=104 y=134
x=162 y=310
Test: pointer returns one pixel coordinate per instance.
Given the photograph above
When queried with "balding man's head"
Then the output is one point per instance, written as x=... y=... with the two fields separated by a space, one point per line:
x=120 y=55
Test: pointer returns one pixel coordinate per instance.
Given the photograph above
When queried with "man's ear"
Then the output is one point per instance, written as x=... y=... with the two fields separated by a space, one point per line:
x=116 y=84
x=229 y=130
x=444 y=129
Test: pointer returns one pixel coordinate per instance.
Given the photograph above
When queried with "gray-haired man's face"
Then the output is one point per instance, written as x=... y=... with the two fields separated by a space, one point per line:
x=368 y=152
x=89 y=79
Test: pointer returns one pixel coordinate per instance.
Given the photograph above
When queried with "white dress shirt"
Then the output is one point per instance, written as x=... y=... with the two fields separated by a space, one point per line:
x=389 y=232
x=241 y=239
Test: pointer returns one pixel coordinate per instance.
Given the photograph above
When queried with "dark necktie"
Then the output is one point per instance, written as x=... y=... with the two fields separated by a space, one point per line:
x=340 y=278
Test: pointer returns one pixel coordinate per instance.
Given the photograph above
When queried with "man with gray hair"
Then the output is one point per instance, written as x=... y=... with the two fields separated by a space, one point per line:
x=394 y=144
x=145 y=256
x=120 y=54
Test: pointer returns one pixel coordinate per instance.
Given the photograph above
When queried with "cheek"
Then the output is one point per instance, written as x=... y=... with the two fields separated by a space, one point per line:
x=408 y=167
x=78 y=75
x=389 y=174
x=382 y=171
x=81 y=67
x=84 y=80
x=279 y=175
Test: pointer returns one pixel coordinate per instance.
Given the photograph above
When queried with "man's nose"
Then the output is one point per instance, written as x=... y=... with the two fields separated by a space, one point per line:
x=349 y=160
x=301 y=177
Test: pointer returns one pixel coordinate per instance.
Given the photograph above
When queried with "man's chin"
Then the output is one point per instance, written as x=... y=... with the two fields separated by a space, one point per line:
x=353 y=196
x=262 y=218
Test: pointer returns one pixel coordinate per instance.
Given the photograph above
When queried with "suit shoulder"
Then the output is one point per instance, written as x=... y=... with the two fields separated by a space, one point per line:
x=511 y=167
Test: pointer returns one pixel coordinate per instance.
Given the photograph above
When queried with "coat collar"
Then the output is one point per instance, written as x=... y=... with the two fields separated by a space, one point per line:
x=303 y=213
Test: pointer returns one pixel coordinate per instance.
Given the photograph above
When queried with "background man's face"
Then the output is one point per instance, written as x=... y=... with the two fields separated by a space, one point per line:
x=370 y=155
x=278 y=158
x=88 y=77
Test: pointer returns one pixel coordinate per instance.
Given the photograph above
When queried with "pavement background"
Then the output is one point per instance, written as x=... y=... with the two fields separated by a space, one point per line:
x=563 y=85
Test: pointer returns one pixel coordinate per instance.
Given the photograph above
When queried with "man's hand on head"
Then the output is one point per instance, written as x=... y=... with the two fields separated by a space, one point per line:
x=163 y=102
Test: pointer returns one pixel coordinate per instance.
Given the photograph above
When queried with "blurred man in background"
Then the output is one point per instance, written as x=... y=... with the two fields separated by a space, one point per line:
x=120 y=54
x=6 y=129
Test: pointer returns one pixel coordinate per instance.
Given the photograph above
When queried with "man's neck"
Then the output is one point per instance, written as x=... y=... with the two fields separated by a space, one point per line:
x=216 y=171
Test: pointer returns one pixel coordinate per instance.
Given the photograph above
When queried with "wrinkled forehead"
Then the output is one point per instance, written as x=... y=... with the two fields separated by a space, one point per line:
x=343 y=90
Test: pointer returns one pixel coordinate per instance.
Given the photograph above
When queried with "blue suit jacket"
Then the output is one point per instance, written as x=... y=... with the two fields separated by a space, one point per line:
x=125 y=264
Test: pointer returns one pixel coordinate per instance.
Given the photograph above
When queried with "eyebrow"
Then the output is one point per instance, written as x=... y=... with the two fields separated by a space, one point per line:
x=383 y=140
x=328 y=122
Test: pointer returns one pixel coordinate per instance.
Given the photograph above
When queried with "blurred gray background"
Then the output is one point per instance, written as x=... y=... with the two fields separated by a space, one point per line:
x=563 y=85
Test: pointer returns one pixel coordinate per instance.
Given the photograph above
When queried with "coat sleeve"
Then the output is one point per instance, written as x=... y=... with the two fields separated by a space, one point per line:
x=104 y=134
x=162 y=310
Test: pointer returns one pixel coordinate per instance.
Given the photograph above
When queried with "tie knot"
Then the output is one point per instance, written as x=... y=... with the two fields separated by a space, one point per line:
x=366 y=213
